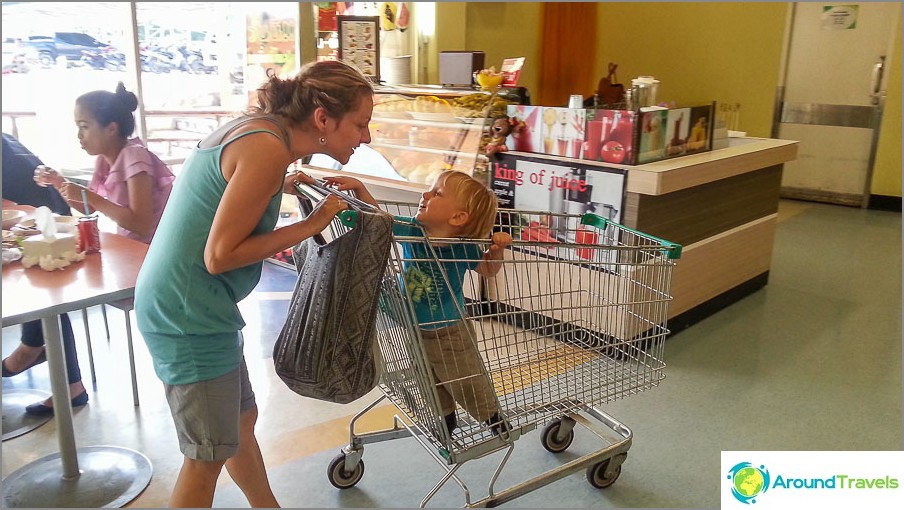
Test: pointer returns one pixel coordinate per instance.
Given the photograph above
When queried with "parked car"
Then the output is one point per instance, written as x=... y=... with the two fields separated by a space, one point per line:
x=17 y=57
x=64 y=44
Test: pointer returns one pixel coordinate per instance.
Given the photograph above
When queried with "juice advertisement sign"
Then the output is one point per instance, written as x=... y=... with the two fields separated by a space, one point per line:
x=610 y=136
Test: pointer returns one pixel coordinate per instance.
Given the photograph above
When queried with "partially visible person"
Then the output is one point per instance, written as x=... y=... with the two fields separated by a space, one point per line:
x=208 y=254
x=130 y=184
x=19 y=187
x=456 y=206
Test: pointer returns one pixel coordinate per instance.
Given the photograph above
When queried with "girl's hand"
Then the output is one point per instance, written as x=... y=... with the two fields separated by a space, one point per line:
x=46 y=176
x=73 y=194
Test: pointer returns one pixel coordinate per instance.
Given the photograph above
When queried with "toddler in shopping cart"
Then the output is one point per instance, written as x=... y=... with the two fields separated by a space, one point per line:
x=456 y=206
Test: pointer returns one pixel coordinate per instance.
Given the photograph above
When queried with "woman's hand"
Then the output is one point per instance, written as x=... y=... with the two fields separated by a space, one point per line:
x=296 y=177
x=46 y=176
x=325 y=211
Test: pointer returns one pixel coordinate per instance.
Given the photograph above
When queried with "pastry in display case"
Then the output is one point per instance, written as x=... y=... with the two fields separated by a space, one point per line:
x=418 y=132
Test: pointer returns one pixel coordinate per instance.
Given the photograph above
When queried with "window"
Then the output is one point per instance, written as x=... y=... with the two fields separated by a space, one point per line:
x=199 y=62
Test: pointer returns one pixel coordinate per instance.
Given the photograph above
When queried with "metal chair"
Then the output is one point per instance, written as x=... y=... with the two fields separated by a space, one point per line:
x=126 y=305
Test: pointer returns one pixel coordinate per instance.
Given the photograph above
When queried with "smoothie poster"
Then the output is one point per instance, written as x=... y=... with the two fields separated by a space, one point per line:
x=557 y=194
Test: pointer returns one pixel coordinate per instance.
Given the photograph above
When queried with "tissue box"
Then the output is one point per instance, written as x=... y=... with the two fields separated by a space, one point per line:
x=39 y=246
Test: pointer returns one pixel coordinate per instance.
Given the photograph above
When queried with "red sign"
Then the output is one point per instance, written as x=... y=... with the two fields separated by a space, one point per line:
x=511 y=71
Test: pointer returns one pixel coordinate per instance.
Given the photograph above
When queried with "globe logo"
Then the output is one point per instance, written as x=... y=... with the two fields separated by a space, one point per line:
x=748 y=482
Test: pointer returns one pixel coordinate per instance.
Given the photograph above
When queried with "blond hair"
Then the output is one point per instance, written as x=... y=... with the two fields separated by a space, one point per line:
x=474 y=198
x=335 y=86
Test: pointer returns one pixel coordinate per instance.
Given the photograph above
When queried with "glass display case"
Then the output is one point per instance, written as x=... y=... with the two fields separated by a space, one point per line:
x=419 y=131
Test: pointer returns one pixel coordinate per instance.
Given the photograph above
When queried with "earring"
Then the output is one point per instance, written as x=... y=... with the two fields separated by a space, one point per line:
x=322 y=140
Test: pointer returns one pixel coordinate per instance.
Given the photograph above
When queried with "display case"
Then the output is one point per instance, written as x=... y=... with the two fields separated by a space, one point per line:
x=419 y=131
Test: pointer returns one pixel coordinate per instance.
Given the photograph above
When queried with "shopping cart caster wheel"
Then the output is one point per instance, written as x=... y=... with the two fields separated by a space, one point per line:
x=548 y=438
x=339 y=477
x=596 y=475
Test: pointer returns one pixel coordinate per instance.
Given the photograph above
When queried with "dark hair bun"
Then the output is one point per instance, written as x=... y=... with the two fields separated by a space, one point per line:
x=126 y=98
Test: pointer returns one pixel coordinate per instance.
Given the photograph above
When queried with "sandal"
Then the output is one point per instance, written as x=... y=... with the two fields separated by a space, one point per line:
x=9 y=373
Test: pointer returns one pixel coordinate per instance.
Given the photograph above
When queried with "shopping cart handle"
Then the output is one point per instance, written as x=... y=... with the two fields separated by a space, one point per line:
x=346 y=216
x=672 y=249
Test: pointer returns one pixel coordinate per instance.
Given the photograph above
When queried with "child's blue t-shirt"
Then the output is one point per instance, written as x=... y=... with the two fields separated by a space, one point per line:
x=433 y=300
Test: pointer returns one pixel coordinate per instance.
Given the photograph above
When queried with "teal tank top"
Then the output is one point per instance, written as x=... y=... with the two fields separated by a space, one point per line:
x=188 y=317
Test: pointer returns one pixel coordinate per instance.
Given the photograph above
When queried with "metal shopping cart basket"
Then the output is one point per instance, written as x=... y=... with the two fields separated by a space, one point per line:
x=575 y=318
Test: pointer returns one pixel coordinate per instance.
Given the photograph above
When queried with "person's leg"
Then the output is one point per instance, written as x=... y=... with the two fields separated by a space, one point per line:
x=76 y=388
x=196 y=484
x=29 y=352
x=205 y=415
x=72 y=368
x=246 y=467
x=441 y=367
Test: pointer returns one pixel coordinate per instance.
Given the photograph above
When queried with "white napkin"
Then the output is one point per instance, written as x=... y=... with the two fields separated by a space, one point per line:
x=45 y=223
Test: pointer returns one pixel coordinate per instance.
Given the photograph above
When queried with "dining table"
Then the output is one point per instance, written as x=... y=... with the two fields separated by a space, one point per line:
x=88 y=476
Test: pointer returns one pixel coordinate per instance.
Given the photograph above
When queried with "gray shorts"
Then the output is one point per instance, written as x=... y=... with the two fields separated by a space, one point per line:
x=206 y=414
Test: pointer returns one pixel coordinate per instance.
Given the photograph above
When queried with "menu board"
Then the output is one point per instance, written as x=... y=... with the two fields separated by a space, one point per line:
x=359 y=43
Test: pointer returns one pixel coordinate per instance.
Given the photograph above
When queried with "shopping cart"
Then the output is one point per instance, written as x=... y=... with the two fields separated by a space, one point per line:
x=575 y=318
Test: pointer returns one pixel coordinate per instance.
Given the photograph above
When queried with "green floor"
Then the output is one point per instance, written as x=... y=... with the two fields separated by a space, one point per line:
x=810 y=362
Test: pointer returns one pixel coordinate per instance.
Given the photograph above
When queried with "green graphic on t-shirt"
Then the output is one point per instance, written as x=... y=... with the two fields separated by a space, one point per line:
x=420 y=286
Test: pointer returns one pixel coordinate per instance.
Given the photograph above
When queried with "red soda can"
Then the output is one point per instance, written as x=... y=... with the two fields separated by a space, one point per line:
x=88 y=235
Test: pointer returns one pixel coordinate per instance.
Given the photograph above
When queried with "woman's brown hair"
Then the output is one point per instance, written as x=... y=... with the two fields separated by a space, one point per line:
x=333 y=85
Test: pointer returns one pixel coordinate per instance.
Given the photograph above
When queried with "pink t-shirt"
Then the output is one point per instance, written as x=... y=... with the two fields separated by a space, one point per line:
x=109 y=181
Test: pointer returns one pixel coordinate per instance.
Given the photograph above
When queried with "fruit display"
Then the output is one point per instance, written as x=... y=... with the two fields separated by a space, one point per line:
x=474 y=106
x=489 y=79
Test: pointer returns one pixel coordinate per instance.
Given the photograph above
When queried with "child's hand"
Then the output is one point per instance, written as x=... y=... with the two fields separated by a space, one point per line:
x=491 y=263
x=344 y=183
x=356 y=187
x=500 y=241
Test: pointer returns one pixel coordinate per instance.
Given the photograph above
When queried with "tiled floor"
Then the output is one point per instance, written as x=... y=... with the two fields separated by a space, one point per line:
x=811 y=362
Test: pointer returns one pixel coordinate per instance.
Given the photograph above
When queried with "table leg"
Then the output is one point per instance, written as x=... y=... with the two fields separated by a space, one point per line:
x=59 y=388
x=90 y=477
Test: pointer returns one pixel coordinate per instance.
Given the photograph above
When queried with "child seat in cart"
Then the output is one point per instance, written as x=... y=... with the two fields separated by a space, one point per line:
x=572 y=321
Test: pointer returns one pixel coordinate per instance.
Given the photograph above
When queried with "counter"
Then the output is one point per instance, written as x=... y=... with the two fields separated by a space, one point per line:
x=722 y=206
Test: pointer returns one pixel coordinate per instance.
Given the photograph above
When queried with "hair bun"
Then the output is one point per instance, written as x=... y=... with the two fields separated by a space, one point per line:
x=126 y=98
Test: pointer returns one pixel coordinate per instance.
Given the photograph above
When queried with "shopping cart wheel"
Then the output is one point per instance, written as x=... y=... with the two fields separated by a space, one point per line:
x=339 y=477
x=549 y=441
x=596 y=475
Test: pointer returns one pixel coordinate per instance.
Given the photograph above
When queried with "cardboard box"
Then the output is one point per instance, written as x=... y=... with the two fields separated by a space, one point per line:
x=624 y=137
x=548 y=130
x=611 y=136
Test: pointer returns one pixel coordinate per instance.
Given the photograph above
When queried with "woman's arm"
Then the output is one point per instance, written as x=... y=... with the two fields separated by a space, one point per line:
x=137 y=218
x=255 y=167
x=489 y=266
